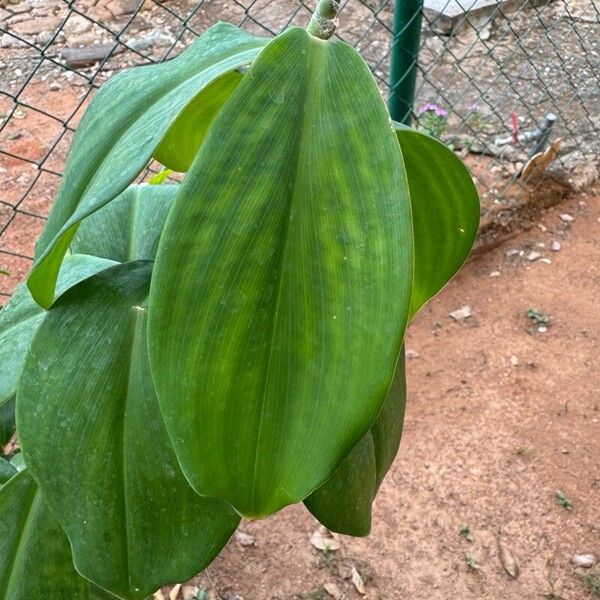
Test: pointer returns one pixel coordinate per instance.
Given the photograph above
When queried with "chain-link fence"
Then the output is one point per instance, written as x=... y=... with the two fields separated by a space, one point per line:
x=490 y=71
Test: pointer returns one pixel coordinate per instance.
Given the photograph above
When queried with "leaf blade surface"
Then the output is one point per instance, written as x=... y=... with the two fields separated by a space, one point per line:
x=124 y=124
x=134 y=522
x=35 y=556
x=283 y=278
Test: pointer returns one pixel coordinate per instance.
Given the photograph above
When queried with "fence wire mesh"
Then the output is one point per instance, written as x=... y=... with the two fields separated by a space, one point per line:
x=489 y=71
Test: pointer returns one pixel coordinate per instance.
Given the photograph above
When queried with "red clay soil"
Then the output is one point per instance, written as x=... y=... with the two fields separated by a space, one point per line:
x=500 y=417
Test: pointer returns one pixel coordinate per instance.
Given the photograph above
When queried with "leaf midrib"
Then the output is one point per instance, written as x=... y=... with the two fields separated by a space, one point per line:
x=316 y=50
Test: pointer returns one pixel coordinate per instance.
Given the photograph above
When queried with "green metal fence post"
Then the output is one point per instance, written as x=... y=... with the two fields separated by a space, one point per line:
x=408 y=15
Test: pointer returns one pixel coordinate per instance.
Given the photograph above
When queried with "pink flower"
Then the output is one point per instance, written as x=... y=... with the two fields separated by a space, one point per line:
x=435 y=108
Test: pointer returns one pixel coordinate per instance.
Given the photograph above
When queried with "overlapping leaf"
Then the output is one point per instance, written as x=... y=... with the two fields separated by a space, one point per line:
x=115 y=486
x=126 y=229
x=35 y=556
x=180 y=145
x=445 y=213
x=121 y=129
x=7 y=471
x=129 y=227
x=7 y=421
x=343 y=503
x=283 y=279
x=21 y=317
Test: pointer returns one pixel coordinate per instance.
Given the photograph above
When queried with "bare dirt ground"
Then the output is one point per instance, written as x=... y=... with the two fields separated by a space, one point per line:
x=500 y=417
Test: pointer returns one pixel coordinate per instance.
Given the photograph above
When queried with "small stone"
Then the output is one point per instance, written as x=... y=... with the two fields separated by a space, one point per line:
x=157 y=37
x=495 y=274
x=512 y=252
x=244 y=539
x=556 y=246
x=462 y=313
x=45 y=37
x=122 y=7
x=546 y=260
x=411 y=354
x=37 y=25
x=542 y=329
x=77 y=24
x=8 y=41
x=55 y=86
x=533 y=256
x=18 y=8
x=542 y=228
x=566 y=217
x=514 y=360
x=586 y=561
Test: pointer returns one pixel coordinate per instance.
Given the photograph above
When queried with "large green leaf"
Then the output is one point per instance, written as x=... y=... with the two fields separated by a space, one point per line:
x=445 y=211
x=343 y=503
x=120 y=130
x=180 y=145
x=21 y=317
x=35 y=557
x=115 y=485
x=282 y=279
x=129 y=227
x=126 y=229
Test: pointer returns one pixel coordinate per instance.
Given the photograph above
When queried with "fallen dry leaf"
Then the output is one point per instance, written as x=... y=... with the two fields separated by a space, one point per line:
x=174 y=593
x=358 y=582
x=158 y=595
x=322 y=539
x=333 y=589
x=508 y=561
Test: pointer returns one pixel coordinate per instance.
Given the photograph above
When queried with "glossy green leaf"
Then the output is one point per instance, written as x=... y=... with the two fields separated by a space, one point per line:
x=282 y=279
x=7 y=471
x=21 y=317
x=119 y=132
x=129 y=227
x=445 y=212
x=17 y=462
x=181 y=143
x=7 y=421
x=115 y=486
x=35 y=557
x=343 y=503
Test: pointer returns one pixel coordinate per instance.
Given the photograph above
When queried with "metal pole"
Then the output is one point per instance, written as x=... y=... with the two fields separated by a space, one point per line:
x=408 y=15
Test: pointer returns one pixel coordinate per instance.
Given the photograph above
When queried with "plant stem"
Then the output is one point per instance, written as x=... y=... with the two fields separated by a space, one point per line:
x=324 y=20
